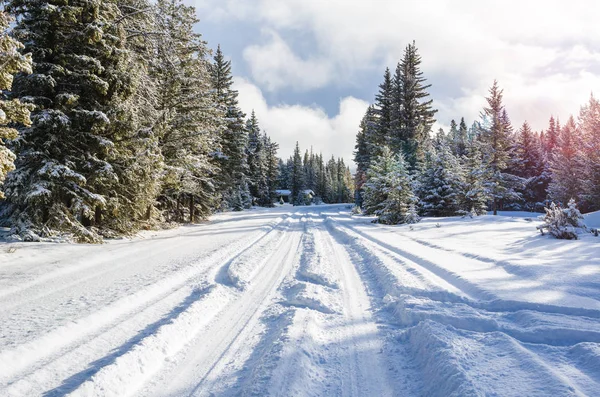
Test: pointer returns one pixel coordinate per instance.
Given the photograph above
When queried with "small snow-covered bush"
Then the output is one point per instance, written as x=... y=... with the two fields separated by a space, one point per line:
x=563 y=223
x=356 y=210
x=412 y=215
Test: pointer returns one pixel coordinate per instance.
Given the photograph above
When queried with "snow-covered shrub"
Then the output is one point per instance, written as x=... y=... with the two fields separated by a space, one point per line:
x=356 y=210
x=563 y=223
x=412 y=215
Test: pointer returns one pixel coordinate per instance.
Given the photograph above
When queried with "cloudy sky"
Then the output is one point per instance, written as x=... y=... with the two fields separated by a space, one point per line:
x=309 y=68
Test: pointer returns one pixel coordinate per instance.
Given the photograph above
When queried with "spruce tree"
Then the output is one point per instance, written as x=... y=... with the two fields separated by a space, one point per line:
x=495 y=135
x=417 y=115
x=474 y=195
x=70 y=161
x=589 y=124
x=189 y=124
x=297 y=178
x=233 y=178
x=527 y=163
x=388 y=191
x=271 y=172
x=442 y=184
x=11 y=111
x=255 y=151
x=566 y=166
x=383 y=111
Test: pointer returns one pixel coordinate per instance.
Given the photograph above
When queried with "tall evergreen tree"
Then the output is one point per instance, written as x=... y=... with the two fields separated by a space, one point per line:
x=297 y=178
x=70 y=161
x=495 y=136
x=566 y=166
x=383 y=111
x=269 y=196
x=11 y=111
x=388 y=191
x=234 y=137
x=256 y=158
x=442 y=184
x=589 y=125
x=417 y=111
x=475 y=195
x=190 y=122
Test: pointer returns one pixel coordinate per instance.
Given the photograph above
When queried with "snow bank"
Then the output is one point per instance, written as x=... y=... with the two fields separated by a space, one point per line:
x=465 y=363
x=527 y=326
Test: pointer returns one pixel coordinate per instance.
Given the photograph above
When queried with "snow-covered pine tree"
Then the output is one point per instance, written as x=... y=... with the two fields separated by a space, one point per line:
x=11 y=111
x=462 y=139
x=388 y=191
x=417 y=116
x=564 y=223
x=255 y=151
x=68 y=161
x=297 y=178
x=233 y=179
x=527 y=164
x=382 y=115
x=271 y=171
x=566 y=165
x=475 y=196
x=589 y=125
x=364 y=149
x=283 y=178
x=190 y=122
x=332 y=171
x=442 y=183
x=321 y=178
x=495 y=136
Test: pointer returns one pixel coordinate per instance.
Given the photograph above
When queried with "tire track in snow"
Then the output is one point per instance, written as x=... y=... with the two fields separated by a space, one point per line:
x=195 y=369
x=38 y=355
x=449 y=281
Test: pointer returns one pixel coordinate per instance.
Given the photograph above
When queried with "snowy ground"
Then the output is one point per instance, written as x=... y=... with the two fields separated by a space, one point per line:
x=305 y=302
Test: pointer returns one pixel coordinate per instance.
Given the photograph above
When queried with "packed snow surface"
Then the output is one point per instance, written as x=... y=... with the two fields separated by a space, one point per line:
x=305 y=301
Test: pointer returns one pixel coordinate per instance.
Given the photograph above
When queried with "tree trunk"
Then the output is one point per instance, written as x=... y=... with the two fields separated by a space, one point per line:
x=192 y=210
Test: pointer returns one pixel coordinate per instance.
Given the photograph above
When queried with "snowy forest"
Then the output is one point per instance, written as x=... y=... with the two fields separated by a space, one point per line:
x=405 y=170
x=116 y=116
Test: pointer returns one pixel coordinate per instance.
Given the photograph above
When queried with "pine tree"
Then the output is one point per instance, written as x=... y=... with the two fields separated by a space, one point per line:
x=190 y=122
x=527 y=163
x=11 y=111
x=383 y=113
x=297 y=178
x=256 y=159
x=474 y=196
x=551 y=137
x=495 y=136
x=589 y=122
x=234 y=137
x=417 y=112
x=388 y=191
x=70 y=161
x=271 y=172
x=463 y=138
x=566 y=166
x=442 y=184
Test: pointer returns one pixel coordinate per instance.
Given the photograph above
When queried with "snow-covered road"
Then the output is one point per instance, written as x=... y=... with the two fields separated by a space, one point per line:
x=304 y=301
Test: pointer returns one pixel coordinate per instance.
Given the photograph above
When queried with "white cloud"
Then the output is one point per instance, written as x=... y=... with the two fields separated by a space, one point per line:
x=310 y=126
x=275 y=66
x=546 y=55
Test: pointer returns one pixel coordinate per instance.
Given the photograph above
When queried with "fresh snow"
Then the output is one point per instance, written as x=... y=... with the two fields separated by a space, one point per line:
x=306 y=301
